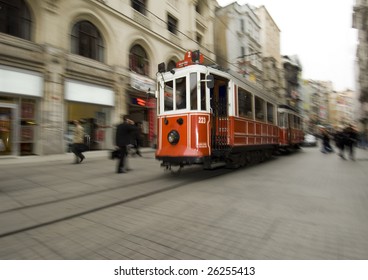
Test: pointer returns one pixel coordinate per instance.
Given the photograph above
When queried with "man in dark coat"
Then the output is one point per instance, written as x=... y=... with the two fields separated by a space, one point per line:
x=124 y=132
x=351 y=139
x=340 y=140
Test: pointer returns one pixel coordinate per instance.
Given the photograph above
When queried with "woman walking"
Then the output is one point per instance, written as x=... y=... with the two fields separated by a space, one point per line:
x=78 y=142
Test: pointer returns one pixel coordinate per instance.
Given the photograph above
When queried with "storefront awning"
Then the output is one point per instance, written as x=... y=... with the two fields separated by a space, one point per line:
x=88 y=93
x=141 y=83
x=20 y=81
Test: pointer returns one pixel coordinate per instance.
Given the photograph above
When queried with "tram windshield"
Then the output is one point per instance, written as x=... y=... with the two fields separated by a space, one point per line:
x=185 y=93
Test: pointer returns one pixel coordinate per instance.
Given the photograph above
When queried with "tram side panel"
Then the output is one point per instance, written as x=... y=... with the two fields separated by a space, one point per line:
x=250 y=133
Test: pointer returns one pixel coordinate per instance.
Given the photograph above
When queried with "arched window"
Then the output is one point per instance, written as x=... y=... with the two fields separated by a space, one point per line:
x=171 y=65
x=138 y=60
x=87 y=41
x=15 y=18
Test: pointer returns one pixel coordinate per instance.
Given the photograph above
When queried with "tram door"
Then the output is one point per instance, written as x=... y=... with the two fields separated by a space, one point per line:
x=219 y=114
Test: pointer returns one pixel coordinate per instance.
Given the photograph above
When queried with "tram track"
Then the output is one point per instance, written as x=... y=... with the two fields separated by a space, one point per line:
x=25 y=218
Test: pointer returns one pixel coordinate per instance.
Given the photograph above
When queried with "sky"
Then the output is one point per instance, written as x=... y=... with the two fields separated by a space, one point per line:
x=318 y=31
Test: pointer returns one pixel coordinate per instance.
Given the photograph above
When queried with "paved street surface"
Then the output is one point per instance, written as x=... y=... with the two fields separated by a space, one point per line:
x=306 y=205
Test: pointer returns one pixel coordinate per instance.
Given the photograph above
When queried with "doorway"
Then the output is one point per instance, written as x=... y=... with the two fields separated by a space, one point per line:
x=8 y=131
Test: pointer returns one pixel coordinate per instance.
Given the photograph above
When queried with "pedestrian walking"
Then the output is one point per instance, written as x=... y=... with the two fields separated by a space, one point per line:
x=78 y=142
x=340 y=140
x=326 y=146
x=138 y=138
x=351 y=140
x=124 y=133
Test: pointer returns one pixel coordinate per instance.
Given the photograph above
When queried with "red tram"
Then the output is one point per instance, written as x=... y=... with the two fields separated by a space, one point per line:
x=212 y=117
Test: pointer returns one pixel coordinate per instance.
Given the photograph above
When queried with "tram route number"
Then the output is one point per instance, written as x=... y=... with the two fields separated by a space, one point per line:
x=231 y=270
x=201 y=119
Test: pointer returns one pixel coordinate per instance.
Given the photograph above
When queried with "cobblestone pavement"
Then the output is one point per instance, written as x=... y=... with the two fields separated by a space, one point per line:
x=306 y=205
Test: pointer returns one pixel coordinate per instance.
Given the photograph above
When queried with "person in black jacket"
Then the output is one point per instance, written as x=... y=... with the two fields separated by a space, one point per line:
x=340 y=140
x=351 y=139
x=138 y=138
x=124 y=132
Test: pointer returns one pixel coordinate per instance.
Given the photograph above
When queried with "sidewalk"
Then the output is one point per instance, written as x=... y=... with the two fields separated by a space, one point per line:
x=59 y=157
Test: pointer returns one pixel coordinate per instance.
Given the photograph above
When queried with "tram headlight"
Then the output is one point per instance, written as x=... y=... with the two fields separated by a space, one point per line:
x=173 y=137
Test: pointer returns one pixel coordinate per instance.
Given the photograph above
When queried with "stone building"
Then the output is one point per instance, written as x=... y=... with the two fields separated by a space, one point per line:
x=319 y=105
x=360 y=22
x=238 y=29
x=292 y=72
x=271 y=54
x=91 y=60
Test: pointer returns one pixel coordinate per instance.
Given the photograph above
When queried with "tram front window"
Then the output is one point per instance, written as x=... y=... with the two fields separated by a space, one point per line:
x=175 y=94
x=180 y=94
x=193 y=91
x=185 y=93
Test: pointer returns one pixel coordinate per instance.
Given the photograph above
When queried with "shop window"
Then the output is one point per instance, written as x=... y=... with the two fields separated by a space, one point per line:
x=138 y=60
x=15 y=18
x=27 y=128
x=87 y=41
x=139 y=5
x=6 y=135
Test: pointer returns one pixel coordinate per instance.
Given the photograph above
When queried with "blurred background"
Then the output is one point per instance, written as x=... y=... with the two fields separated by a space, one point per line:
x=93 y=60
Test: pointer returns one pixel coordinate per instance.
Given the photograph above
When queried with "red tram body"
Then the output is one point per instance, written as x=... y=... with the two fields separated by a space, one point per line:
x=215 y=118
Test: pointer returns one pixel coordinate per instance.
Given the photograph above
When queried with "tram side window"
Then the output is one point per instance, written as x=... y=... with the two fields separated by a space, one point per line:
x=168 y=96
x=245 y=104
x=259 y=108
x=193 y=91
x=297 y=122
x=203 y=93
x=180 y=93
x=282 y=120
x=291 y=121
x=270 y=113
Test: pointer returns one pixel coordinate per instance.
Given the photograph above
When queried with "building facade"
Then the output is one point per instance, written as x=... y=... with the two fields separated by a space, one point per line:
x=292 y=72
x=90 y=60
x=238 y=31
x=360 y=22
x=271 y=54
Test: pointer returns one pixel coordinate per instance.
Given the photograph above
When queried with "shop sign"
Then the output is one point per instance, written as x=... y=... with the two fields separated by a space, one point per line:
x=141 y=83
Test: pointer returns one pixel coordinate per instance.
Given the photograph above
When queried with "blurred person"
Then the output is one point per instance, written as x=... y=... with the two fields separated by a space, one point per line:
x=340 y=140
x=326 y=146
x=78 y=142
x=124 y=133
x=351 y=136
x=138 y=138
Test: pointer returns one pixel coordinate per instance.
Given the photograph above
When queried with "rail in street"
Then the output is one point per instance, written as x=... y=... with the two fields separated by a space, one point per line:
x=306 y=205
